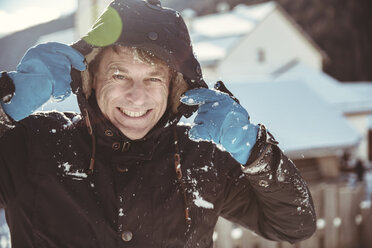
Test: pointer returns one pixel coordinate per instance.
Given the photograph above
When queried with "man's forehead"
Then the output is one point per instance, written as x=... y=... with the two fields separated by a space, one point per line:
x=125 y=54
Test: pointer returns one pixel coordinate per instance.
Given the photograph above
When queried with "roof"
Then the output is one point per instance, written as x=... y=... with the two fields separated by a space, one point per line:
x=348 y=98
x=303 y=123
x=215 y=35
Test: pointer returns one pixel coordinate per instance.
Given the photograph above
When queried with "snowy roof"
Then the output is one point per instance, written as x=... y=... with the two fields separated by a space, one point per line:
x=220 y=31
x=241 y=20
x=345 y=97
x=303 y=123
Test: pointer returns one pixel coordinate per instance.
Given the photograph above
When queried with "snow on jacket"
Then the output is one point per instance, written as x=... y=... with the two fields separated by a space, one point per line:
x=70 y=180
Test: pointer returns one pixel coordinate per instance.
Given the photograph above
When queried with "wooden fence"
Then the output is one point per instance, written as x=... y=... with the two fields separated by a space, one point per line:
x=344 y=221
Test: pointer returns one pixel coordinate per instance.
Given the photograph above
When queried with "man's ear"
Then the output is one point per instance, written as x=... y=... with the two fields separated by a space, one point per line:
x=177 y=88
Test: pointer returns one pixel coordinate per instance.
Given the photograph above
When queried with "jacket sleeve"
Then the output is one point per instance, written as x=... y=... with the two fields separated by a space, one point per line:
x=12 y=153
x=269 y=196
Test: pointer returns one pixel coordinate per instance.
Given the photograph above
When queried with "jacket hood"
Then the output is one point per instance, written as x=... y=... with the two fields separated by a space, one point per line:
x=150 y=27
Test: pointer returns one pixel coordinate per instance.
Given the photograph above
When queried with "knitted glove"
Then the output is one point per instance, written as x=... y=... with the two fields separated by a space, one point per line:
x=44 y=71
x=223 y=121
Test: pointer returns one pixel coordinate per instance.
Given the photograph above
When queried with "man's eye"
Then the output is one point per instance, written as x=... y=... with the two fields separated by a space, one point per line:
x=155 y=79
x=119 y=77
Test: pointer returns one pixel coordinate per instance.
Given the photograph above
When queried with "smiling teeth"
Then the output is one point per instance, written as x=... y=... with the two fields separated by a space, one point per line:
x=134 y=114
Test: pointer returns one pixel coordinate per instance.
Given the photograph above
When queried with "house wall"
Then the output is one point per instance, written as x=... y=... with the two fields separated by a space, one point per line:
x=275 y=42
x=319 y=168
x=360 y=123
x=329 y=166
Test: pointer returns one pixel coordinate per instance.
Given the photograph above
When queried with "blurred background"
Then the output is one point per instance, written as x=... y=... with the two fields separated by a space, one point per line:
x=303 y=68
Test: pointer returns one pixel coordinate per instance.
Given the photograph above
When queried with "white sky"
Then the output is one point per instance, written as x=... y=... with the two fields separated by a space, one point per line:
x=20 y=14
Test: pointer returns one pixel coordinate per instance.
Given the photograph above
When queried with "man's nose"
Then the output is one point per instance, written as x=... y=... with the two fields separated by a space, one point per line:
x=137 y=93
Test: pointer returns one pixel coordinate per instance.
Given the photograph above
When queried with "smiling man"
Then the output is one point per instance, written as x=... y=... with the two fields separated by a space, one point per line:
x=131 y=92
x=124 y=173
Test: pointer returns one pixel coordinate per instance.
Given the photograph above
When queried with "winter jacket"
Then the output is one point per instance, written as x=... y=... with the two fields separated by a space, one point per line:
x=133 y=198
x=73 y=180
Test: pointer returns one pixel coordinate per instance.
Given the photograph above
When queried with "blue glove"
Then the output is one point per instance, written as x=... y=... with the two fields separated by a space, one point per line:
x=223 y=121
x=44 y=71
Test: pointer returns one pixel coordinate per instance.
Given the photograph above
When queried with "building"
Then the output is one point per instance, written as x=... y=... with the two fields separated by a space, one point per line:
x=252 y=42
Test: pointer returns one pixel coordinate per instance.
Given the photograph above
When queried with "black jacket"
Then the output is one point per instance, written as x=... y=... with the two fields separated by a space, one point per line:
x=133 y=193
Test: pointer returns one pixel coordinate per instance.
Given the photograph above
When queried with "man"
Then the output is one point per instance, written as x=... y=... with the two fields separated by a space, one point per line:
x=123 y=173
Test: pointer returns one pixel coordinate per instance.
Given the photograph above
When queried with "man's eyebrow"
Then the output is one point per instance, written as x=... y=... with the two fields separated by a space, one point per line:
x=115 y=66
x=157 y=73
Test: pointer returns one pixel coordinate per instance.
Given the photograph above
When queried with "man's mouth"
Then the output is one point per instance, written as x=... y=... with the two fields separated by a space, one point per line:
x=135 y=114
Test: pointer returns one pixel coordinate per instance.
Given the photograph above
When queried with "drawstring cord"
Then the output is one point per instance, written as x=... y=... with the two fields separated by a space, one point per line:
x=177 y=165
x=90 y=131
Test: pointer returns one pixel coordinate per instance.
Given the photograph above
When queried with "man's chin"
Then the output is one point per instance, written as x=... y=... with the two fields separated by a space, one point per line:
x=134 y=134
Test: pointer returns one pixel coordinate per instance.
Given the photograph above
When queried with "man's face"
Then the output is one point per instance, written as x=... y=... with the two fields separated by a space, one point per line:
x=132 y=94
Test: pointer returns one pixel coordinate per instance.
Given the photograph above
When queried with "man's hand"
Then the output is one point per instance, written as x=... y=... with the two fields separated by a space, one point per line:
x=44 y=71
x=222 y=120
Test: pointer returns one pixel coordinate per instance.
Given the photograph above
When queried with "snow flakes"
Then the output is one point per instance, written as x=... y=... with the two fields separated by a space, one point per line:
x=337 y=222
x=77 y=175
x=304 y=197
x=260 y=167
x=200 y=202
x=76 y=118
x=245 y=127
x=365 y=204
x=279 y=173
x=121 y=212
x=219 y=146
x=53 y=131
x=320 y=224
x=236 y=233
x=66 y=167
x=216 y=104
x=191 y=101
x=215 y=236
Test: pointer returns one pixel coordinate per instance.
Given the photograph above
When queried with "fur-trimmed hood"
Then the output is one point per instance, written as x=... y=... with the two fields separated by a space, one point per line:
x=147 y=26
